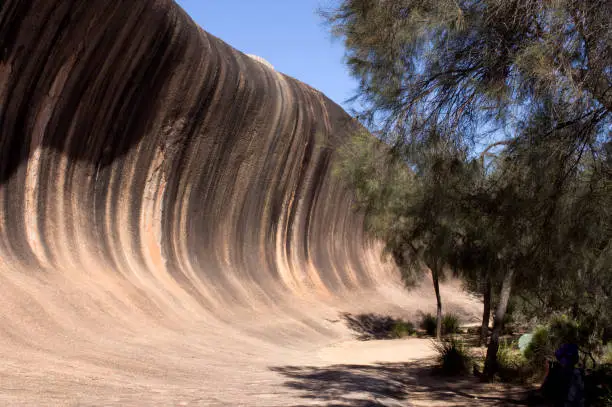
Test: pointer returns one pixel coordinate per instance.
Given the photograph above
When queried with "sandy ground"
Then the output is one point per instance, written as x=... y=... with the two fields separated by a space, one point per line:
x=172 y=232
x=300 y=353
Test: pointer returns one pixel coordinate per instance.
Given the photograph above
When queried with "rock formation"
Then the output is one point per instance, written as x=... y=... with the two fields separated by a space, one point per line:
x=134 y=142
x=170 y=225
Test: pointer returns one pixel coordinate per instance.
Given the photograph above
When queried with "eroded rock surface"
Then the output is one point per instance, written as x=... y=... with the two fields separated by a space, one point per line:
x=170 y=227
x=134 y=142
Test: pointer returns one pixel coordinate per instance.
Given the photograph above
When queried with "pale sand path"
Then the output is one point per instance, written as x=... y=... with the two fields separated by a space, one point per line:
x=300 y=355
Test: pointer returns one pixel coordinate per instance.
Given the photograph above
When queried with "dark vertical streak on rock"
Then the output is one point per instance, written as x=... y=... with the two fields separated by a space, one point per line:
x=159 y=154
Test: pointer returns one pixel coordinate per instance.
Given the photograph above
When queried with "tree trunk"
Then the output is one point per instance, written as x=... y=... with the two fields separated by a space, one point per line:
x=491 y=360
x=486 y=311
x=435 y=274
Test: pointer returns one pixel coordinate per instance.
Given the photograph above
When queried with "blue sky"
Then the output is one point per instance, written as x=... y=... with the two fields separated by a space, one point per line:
x=287 y=33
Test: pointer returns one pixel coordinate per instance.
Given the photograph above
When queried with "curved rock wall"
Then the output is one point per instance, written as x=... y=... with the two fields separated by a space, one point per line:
x=136 y=147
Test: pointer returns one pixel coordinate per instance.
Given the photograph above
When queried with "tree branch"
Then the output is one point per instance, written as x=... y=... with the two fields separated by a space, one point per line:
x=491 y=146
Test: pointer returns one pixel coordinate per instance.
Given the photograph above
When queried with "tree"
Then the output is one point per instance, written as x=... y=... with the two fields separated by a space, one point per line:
x=468 y=63
x=574 y=226
x=410 y=208
x=530 y=78
x=475 y=262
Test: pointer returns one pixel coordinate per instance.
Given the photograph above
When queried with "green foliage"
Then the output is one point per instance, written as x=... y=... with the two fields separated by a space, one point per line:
x=450 y=324
x=437 y=79
x=401 y=329
x=513 y=366
x=409 y=208
x=563 y=329
x=548 y=338
x=540 y=349
x=509 y=356
x=428 y=323
x=380 y=183
x=453 y=356
x=423 y=62
x=376 y=326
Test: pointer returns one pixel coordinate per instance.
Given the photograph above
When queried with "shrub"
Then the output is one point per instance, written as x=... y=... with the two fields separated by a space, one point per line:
x=428 y=323
x=548 y=338
x=450 y=324
x=376 y=327
x=401 y=329
x=512 y=364
x=564 y=330
x=453 y=356
x=509 y=357
x=540 y=349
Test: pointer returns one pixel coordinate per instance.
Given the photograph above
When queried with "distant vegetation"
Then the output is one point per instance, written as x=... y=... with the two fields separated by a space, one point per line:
x=450 y=324
x=375 y=326
x=493 y=160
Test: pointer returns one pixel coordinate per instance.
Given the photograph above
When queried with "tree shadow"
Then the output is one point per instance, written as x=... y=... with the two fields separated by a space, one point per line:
x=394 y=384
x=369 y=327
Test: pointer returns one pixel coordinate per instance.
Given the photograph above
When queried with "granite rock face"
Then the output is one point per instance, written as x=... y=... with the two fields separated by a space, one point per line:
x=171 y=229
x=138 y=147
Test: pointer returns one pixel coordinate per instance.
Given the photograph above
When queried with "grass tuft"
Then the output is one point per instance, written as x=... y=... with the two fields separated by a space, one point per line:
x=375 y=326
x=428 y=324
x=450 y=324
x=401 y=329
x=513 y=367
x=453 y=357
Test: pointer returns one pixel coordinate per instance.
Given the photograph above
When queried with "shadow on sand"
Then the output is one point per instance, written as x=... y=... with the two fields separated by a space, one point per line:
x=393 y=384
